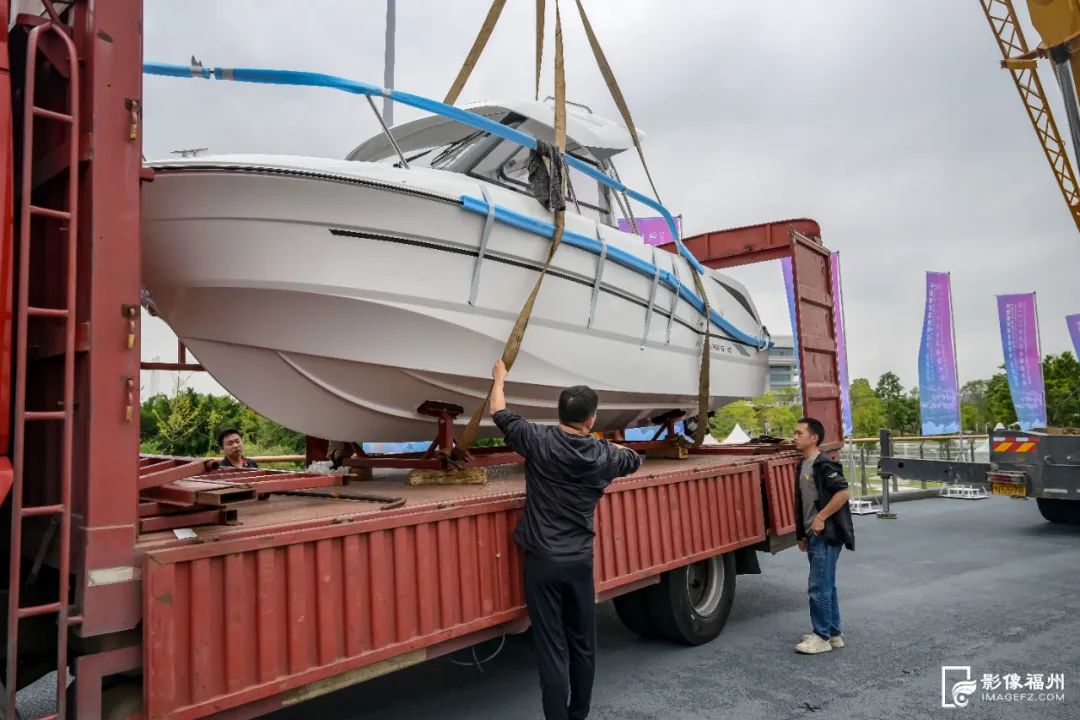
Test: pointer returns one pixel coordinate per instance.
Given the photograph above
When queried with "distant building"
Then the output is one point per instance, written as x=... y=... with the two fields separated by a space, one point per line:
x=783 y=370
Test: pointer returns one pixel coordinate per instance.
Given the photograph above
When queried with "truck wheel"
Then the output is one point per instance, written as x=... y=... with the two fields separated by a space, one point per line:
x=692 y=603
x=1059 y=511
x=633 y=610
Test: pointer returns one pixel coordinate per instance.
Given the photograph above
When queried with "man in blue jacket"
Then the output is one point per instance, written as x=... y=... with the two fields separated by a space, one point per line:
x=566 y=471
x=823 y=528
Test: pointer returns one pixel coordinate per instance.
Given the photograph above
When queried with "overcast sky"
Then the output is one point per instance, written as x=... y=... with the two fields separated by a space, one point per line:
x=891 y=125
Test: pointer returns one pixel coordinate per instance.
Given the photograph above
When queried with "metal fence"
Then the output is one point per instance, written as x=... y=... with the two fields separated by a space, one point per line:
x=861 y=455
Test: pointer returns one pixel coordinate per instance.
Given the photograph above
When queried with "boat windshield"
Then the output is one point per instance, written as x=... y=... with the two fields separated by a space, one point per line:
x=443 y=156
x=487 y=157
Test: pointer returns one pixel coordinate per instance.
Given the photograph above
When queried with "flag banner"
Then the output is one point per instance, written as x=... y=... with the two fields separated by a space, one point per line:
x=841 y=342
x=653 y=230
x=939 y=396
x=1019 y=321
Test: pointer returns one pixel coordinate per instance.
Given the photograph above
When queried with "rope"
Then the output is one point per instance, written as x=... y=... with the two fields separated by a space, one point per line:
x=616 y=93
x=703 y=375
x=540 y=10
x=476 y=51
x=517 y=334
x=624 y=110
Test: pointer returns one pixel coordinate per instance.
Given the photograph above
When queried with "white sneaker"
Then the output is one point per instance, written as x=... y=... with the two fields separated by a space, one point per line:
x=837 y=641
x=813 y=645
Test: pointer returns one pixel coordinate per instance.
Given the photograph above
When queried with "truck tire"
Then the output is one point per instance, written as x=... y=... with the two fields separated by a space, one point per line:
x=633 y=610
x=1059 y=511
x=691 y=604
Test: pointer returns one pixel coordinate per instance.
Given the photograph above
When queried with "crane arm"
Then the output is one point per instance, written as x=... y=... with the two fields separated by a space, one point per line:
x=1020 y=63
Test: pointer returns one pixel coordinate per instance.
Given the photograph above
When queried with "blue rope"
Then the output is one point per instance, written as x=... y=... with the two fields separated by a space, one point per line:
x=312 y=79
x=618 y=255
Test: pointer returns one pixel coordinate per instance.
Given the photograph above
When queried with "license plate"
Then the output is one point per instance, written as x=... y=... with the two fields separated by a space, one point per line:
x=1008 y=489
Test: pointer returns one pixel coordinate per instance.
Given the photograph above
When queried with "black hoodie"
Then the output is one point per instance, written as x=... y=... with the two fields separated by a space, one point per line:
x=565 y=475
x=829 y=480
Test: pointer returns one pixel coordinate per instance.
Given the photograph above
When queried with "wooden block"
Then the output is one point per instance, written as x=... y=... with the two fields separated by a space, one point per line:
x=671 y=452
x=469 y=476
x=359 y=474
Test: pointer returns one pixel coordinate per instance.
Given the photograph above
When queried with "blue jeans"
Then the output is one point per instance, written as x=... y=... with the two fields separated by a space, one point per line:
x=824 y=600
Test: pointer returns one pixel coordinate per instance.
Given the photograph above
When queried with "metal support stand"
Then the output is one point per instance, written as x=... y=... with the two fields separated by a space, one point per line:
x=964 y=492
x=439 y=455
x=862 y=506
x=667 y=442
x=885 y=445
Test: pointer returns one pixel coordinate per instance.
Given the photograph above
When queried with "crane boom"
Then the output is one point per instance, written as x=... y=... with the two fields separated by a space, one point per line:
x=1020 y=63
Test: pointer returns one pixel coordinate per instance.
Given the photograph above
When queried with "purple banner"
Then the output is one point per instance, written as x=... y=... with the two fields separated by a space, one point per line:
x=653 y=230
x=939 y=394
x=789 y=285
x=1074 y=330
x=1019 y=319
x=841 y=343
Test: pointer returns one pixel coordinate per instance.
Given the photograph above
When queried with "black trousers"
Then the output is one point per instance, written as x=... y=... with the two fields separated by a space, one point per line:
x=562 y=609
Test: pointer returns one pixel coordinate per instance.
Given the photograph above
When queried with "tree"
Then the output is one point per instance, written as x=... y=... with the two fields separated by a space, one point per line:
x=741 y=412
x=974 y=392
x=1061 y=375
x=901 y=413
x=777 y=412
x=1061 y=379
x=177 y=421
x=867 y=410
x=974 y=405
x=999 y=400
x=912 y=412
x=188 y=423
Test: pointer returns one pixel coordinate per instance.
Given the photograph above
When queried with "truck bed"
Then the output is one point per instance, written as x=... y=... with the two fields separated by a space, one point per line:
x=307 y=590
x=290 y=512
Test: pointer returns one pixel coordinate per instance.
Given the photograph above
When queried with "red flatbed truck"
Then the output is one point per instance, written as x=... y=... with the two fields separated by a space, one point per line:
x=279 y=596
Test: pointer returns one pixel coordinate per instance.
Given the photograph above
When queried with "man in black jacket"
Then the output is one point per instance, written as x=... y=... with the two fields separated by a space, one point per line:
x=566 y=471
x=231 y=443
x=823 y=528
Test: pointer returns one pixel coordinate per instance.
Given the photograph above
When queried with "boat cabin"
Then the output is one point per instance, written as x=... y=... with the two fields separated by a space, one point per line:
x=445 y=144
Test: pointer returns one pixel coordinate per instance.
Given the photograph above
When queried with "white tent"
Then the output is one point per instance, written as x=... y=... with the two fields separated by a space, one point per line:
x=738 y=436
x=710 y=440
x=999 y=426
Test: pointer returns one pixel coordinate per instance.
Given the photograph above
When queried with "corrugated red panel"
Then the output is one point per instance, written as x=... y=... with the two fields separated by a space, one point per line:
x=781 y=476
x=279 y=612
x=649 y=525
x=232 y=622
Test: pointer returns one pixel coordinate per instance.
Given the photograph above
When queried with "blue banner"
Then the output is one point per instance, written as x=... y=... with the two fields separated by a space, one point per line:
x=939 y=394
x=1019 y=319
x=841 y=344
x=789 y=285
x=1074 y=330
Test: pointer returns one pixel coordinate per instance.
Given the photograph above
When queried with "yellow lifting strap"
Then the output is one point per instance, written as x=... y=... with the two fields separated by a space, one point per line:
x=475 y=52
x=513 y=344
x=616 y=93
x=539 y=45
x=620 y=101
x=703 y=376
x=517 y=334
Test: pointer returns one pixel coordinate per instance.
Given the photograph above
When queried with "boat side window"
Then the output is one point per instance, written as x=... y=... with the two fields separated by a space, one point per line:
x=585 y=192
x=439 y=156
x=585 y=196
